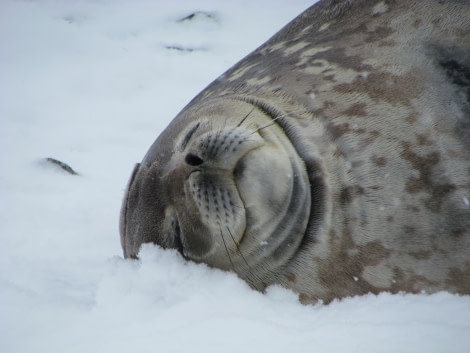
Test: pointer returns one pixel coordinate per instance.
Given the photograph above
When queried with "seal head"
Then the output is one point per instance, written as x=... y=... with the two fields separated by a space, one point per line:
x=230 y=192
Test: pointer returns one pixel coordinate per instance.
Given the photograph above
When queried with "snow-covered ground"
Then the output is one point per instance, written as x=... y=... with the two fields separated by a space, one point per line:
x=93 y=83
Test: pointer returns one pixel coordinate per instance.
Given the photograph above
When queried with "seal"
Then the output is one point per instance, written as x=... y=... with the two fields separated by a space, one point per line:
x=334 y=160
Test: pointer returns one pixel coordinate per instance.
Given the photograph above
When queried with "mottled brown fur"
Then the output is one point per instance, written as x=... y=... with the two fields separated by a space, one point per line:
x=354 y=171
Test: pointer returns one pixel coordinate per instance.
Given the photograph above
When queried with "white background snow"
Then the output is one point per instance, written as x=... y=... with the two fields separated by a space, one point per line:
x=92 y=84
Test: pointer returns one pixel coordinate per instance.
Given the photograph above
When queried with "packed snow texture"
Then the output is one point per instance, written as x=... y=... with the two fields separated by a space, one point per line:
x=92 y=84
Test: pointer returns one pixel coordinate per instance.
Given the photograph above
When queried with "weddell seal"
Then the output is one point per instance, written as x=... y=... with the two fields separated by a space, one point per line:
x=334 y=160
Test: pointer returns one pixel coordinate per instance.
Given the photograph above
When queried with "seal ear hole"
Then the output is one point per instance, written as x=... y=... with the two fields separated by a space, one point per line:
x=193 y=160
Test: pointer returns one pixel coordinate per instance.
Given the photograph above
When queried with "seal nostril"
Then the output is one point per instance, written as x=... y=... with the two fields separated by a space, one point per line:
x=193 y=160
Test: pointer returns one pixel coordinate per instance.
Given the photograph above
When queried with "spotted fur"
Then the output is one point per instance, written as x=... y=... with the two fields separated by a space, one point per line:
x=369 y=104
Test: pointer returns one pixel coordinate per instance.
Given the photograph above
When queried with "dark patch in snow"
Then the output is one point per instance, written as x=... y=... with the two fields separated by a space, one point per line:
x=59 y=165
x=183 y=49
x=197 y=16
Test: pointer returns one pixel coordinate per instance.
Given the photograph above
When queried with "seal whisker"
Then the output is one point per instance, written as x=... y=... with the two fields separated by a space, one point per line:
x=246 y=116
x=226 y=249
x=270 y=124
x=273 y=122
x=238 y=248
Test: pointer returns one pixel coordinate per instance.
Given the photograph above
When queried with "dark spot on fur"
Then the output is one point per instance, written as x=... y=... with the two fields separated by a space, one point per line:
x=375 y=187
x=457 y=232
x=378 y=33
x=425 y=183
x=459 y=279
x=373 y=253
x=291 y=277
x=455 y=65
x=436 y=22
x=421 y=255
x=332 y=233
x=379 y=161
x=412 y=118
x=338 y=56
x=409 y=229
x=357 y=164
x=329 y=78
x=340 y=272
x=357 y=109
x=337 y=131
x=439 y=192
x=458 y=74
x=387 y=43
x=424 y=139
x=349 y=193
x=384 y=86
x=413 y=209
x=417 y=23
x=306 y=299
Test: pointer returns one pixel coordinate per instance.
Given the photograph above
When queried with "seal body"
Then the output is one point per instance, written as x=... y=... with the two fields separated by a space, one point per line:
x=334 y=160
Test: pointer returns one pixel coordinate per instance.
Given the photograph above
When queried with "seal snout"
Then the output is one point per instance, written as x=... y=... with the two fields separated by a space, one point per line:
x=220 y=149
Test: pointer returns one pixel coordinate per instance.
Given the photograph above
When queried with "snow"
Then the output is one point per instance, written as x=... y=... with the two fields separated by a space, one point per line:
x=92 y=84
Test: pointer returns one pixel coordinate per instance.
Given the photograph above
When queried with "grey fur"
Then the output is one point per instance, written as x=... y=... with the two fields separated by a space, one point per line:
x=367 y=106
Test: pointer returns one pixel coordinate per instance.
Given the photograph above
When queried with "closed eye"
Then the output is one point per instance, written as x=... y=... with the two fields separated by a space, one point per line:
x=188 y=136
